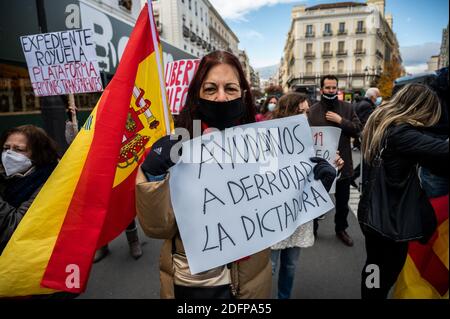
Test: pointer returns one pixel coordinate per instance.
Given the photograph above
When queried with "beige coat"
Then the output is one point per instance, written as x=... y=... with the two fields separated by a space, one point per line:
x=251 y=278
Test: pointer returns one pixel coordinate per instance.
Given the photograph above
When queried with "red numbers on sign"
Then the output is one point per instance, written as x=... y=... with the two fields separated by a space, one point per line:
x=318 y=138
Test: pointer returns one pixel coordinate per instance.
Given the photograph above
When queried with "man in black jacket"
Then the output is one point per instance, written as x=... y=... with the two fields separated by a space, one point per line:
x=332 y=112
x=363 y=109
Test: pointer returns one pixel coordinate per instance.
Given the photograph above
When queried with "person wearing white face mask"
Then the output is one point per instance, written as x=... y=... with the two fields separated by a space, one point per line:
x=268 y=107
x=29 y=156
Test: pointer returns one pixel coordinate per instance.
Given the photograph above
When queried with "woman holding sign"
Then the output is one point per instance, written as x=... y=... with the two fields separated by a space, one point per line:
x=218 y=96
x=286 y=252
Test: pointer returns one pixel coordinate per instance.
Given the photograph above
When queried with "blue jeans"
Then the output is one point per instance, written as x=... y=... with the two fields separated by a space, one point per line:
x=289 y=259
x=433 y=185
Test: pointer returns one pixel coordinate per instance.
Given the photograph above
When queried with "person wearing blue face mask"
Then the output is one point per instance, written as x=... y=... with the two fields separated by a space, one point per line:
x=366 y=106
x=363 y=110
x=28 y=158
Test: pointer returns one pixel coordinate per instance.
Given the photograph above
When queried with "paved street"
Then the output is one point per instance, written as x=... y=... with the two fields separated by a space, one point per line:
x=327 y=270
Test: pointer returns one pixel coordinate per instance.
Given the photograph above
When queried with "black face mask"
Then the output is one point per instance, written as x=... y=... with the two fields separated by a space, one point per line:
x=329 y=99
x=221 y=115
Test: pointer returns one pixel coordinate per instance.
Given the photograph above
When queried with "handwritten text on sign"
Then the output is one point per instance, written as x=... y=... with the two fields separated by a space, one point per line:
x=326 y=141
x=179 y=75
x=237 y=192
x=62 y=62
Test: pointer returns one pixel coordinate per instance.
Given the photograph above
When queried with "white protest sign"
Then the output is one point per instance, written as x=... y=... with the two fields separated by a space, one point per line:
x=326 y=142
x=237 y=192
x=179 y=75
x=62 y=62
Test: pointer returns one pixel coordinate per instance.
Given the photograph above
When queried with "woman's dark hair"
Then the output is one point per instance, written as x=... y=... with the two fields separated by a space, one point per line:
x=43 y=148
x=288 y=104
x=189 y=112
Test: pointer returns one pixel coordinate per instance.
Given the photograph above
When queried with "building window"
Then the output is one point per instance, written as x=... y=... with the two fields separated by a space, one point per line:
x=360 y=27
x=359 y=45
x=125 y=4
x=340 y=66
x=326 y=47
x=309 y=30
x=190 y=4
x=201 y=14
x=327 y=29
x=342 y=28
x=309 y=68
x=309 y=47
x=326 y=67
x=358 y=66
x=195 y=3
x=341 y=46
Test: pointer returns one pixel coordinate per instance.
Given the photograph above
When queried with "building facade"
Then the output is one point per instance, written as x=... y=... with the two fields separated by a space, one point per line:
x=351 y=40
x=443 y=55
x=243 y=58
x=433 y=63
x=194 y=26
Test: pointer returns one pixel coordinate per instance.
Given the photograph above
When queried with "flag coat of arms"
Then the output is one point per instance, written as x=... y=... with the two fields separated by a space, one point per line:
x=89 y=199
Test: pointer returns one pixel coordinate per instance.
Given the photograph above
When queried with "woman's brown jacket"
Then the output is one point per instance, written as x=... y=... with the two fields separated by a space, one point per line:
x=251 y=277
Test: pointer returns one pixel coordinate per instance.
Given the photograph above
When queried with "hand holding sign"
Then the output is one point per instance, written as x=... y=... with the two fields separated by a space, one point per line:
x=324 y=171
x=158 y=160
x=239 y=191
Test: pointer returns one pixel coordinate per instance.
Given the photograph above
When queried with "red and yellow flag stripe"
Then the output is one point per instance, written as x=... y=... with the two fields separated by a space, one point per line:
x=425 y=274
x=89 y=199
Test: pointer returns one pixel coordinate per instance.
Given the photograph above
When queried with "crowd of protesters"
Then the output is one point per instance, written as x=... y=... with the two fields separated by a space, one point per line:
x=405 y=132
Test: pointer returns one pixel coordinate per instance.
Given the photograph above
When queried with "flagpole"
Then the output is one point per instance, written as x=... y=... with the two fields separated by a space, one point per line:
x=162 y=84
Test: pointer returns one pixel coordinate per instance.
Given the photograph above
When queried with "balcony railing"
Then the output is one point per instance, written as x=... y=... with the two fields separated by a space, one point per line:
x=186 y=32
x=327 y=54
x=327 y=33
x=193 y=37
x=341 y=52
x=360 y=51
x=342 y=32
x=379 y=54
x=309 y=35
x=360 y=30
x=309 y=55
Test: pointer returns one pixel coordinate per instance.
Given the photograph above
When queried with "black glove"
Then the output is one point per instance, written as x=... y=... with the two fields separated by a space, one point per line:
x=158 y=160
x=324 y=171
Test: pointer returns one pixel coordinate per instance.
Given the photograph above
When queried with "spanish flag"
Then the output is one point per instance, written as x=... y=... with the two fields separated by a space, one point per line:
x=425 y=273
x=89 y=198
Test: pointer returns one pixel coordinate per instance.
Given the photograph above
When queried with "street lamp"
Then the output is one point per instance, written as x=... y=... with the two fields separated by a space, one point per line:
x=366 y=76
x=379 y=70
